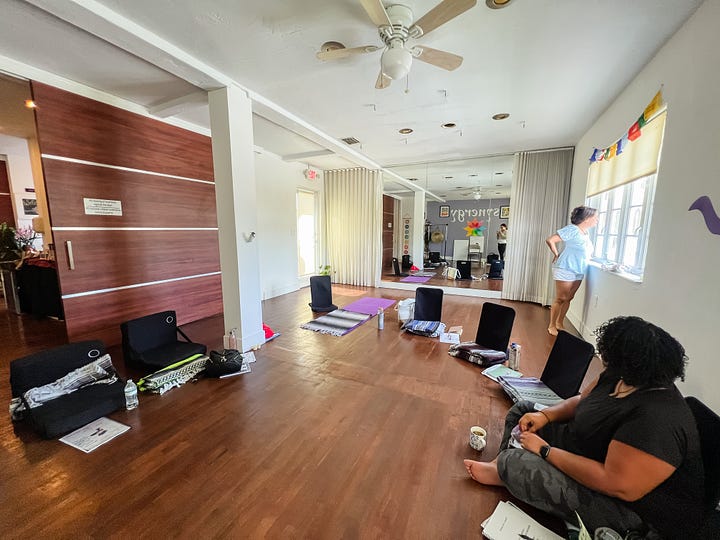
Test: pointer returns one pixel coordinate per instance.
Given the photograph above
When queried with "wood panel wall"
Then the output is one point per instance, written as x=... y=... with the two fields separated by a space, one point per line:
x=387 y=234
x=6 y=210
x=121 y=273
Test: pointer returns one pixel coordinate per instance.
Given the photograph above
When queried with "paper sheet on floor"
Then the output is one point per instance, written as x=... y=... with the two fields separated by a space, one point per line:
x=96 y=433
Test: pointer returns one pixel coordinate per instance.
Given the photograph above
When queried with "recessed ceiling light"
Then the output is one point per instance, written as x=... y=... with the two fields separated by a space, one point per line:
x=501 y=116
x=30 y=104
x=497 y=4
x=405 y=131
x=449 y=125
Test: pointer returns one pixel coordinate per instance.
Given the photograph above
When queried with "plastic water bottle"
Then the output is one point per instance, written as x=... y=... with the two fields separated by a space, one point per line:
x=381 y=319
x=131 y=395
x=514 y=356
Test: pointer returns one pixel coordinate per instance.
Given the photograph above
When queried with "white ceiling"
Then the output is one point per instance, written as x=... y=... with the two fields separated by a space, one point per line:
x=554 y=65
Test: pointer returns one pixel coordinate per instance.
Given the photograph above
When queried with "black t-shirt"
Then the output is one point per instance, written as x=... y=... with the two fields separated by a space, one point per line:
x=656 y=421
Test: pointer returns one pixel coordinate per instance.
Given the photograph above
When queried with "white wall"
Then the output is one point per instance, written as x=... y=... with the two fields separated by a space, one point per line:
x=680 y=291
x=277 y=184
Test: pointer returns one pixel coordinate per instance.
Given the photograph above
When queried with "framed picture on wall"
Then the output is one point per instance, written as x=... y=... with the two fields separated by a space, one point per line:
x=30 y=207
x=504 y=212
x=444 y=210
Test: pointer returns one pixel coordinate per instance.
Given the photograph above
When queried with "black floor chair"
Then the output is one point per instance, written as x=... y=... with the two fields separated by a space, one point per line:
x=567 y=364
x=708 y=424
x=69 y=411
x=152 y=341
x=495 y=327
x=428 y=304
x=321 y=294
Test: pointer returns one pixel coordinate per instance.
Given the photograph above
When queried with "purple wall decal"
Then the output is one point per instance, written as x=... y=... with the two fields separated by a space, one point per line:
x=712 y=221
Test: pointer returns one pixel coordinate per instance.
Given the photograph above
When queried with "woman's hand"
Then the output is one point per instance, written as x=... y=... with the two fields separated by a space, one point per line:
x=555 y=258
x=531 y=442
x=532 y=421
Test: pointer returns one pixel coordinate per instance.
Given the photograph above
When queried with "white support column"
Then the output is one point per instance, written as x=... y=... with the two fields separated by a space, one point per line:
x=418 y=228
x=235 y=195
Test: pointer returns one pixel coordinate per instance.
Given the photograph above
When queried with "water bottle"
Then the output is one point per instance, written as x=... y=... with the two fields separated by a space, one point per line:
x=131 y=396
x=514 y=356
x=381 y=319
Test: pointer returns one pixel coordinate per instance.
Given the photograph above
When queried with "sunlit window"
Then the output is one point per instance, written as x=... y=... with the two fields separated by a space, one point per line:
x=624 y=224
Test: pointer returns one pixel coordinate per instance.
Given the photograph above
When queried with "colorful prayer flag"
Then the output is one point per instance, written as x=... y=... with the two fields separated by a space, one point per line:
x=653 y=106
x=607 y=153
x=642 y=121
x=621 y=144
x=612 y=150
x=594 y=156
x=634 y=132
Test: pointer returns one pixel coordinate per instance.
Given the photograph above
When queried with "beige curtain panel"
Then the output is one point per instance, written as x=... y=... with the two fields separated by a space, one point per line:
x=539 y=200
x=639 y=159
x=353 y=225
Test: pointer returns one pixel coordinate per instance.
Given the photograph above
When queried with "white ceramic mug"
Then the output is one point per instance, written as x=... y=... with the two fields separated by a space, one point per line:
x=478 y=438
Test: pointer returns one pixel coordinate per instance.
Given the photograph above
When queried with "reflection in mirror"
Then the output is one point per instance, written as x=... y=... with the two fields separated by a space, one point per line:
x=465 y=227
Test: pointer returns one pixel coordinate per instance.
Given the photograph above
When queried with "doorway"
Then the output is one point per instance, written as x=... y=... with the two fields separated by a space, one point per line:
x=306 y=233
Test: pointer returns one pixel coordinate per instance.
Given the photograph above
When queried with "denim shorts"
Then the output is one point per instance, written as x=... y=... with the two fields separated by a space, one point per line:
x=560 y=274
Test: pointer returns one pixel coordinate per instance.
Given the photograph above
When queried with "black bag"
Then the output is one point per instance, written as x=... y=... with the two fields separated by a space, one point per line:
x=224 y=363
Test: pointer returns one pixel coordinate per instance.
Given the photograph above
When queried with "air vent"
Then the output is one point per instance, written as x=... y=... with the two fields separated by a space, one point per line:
x=350 y=140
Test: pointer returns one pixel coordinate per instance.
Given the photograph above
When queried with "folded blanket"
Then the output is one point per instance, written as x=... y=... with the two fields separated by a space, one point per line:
x=477 y=354
x=100 y=371
x=424 y=328
x=174 y=375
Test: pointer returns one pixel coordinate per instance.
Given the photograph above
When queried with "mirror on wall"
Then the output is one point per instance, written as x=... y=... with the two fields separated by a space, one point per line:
x=464 y=225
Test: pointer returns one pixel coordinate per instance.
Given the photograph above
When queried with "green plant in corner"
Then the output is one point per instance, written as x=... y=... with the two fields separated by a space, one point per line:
x=325 y=270
x=9 y=248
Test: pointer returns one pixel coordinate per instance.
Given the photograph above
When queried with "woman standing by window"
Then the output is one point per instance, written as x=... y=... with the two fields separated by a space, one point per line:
x=570 y=265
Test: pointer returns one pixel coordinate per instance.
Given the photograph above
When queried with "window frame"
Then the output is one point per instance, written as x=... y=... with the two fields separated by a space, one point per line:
x=643 y=234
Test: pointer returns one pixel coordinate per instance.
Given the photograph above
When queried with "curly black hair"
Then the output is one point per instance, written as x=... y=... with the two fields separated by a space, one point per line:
x=642 y=354
x=581 y=213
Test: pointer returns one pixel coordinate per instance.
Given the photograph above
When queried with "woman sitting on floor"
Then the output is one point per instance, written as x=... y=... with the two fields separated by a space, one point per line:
x=625 y=454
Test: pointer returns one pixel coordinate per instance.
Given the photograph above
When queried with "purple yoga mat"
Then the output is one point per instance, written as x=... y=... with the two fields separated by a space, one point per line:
x=368 y=305
x=415 y=279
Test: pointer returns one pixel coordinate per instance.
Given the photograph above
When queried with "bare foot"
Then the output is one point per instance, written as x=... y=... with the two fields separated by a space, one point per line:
x=484 y=473
x=552 y=331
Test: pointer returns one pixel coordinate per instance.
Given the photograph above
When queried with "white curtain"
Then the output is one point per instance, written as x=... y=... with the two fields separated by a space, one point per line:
x=353 y=225
x=538 y=207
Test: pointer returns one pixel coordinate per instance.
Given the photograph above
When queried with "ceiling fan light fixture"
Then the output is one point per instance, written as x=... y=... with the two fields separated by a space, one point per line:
x=396 y=62
x=405 y=131
x=449 y=125
x=497 y=4
x=501 y=116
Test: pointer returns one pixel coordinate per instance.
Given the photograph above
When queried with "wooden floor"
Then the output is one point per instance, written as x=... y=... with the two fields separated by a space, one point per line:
x=360 y=436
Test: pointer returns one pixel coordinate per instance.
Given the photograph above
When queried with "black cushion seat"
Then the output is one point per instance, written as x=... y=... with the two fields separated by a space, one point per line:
x=152 y=341
x=70 y=411
x=321 y=294
x=168 y=354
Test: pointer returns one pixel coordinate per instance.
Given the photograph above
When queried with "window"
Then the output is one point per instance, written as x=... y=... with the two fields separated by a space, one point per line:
x=622 y=187
x=624 y=224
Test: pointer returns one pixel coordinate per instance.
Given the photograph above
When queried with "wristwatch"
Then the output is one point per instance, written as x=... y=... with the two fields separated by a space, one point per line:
x=545 y=451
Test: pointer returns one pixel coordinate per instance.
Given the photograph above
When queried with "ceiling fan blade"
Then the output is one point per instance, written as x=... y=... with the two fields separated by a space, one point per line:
x=335 y=54
x=383 y=81
x=442 y=13
x=376 y=12
x=441 y=59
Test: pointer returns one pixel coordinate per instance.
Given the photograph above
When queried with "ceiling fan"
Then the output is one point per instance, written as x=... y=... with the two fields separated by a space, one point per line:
x=395 y=26
x=476 y=193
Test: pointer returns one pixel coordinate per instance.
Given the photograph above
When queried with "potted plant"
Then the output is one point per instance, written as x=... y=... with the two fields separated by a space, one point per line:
x=10 y=251
x=325 y=270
